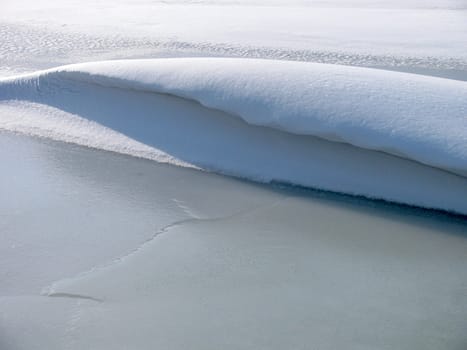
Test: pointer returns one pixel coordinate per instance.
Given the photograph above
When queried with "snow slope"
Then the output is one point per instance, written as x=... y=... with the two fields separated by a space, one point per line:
x=308 y=124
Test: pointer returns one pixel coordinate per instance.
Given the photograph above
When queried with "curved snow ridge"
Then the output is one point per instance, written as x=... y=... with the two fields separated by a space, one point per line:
x=412 y=116
x=148 y=109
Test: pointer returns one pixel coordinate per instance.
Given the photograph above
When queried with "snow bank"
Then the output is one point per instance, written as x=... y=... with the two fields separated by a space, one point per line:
x=417 y=117
x=290 y=109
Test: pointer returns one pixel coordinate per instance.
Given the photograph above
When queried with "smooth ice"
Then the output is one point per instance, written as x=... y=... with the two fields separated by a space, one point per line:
x=108 y=251
x=65 y=209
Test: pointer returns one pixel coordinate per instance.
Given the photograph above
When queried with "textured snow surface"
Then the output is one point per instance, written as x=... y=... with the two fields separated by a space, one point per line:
x=302 y=121
x=412 y=35
x=424 y=28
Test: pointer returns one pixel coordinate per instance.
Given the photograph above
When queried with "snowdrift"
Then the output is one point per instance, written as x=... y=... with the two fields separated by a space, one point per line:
x=394 y=136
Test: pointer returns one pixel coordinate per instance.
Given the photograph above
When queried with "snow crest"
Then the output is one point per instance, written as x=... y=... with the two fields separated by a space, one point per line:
x=400 y=118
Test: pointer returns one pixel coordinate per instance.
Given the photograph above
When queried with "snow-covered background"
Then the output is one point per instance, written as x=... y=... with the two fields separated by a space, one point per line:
x=414 y=34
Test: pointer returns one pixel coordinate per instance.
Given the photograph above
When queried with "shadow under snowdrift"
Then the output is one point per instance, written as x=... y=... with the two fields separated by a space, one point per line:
x=217 y=141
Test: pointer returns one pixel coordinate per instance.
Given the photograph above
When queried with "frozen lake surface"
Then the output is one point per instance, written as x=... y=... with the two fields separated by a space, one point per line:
x=101 y=250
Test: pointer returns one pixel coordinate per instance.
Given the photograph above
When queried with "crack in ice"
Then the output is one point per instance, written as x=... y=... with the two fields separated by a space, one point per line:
x=74 y=296
x=50 y=290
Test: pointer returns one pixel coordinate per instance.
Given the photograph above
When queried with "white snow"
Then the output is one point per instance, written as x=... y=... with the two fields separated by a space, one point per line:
x=414 y=35
x=48 y=122
x=424 y=28
x=296 y=106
